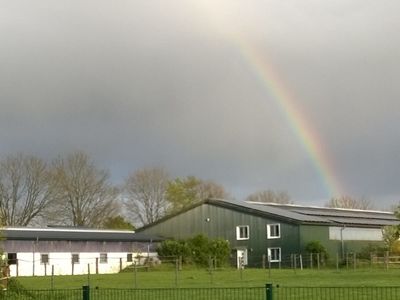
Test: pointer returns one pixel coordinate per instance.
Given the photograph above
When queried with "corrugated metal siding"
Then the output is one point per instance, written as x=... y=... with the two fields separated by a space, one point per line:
x=222 y=224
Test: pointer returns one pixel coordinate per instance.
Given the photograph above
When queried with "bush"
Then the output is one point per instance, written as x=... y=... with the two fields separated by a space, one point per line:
x=173 y=248
x=365 y=253
x=317 y=247
x=197 y=250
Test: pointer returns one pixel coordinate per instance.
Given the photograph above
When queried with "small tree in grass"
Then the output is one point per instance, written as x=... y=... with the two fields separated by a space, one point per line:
x=220 y=250
x=390 y=235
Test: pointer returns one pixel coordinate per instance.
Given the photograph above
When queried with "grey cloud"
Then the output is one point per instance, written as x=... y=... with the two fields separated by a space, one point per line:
x=144 y=83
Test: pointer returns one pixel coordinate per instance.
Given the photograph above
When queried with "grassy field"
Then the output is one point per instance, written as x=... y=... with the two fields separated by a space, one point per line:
x=196 y=278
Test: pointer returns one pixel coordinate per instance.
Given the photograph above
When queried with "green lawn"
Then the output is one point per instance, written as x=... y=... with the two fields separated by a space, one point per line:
x=221 y=278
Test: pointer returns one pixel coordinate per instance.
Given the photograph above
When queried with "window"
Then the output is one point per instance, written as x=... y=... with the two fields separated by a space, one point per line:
x=75 y=258
x=274 y=254
x=103 y=258
x=242 y=232
x=12 y=258
x=129 y=257
x=44 y=259
x=273 y=231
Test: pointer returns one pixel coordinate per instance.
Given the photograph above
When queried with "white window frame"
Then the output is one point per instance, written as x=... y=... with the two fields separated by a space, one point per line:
x=44 y=262
x=103 y=258
x=129 y=257
x=269 y=236
x=238 y=237
x=76 y=261
x=269 y=250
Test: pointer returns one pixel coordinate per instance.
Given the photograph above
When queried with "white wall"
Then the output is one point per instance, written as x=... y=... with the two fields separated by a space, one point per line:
x=29 y=263
x=355 y=234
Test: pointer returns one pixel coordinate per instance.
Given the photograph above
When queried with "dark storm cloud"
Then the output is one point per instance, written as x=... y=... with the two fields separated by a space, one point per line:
x=148 y=83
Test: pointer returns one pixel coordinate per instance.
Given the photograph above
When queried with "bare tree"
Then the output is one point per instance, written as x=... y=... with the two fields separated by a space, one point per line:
x=85 y=195
x=270 y=196
x=209 y=189
x=145 y=198
x=25 y=189
x=349 y=202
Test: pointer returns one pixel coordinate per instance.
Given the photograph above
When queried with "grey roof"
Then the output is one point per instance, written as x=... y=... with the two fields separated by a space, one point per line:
x=74 y=234
x=299 y=214
x=339 y=215
x=276 y=212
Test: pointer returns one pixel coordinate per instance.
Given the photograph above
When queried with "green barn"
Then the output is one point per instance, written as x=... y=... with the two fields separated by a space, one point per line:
x=274 y=230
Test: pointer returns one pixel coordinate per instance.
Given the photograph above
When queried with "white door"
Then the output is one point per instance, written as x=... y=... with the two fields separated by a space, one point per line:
x=241 y=258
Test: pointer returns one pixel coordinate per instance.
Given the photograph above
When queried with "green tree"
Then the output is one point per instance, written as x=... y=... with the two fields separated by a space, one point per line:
x=220 y=250
x=200 y=249
x=183 y=192
x=117 y=222
x=390 y=235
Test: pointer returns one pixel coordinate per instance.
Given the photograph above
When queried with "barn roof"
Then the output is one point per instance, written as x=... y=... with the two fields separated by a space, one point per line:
x=300 y=214
x=75 y=234
x=356 y=217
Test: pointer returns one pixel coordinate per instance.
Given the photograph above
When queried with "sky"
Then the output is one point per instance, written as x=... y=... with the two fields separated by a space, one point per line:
x=296 y=96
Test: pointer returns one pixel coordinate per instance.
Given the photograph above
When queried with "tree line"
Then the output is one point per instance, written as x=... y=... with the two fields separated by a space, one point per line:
x=72 y=190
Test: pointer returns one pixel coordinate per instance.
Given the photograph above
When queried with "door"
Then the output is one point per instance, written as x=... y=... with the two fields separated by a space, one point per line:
x=241 y=258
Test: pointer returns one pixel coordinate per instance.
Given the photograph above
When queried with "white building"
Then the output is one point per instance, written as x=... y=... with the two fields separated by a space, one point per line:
x=72 y=251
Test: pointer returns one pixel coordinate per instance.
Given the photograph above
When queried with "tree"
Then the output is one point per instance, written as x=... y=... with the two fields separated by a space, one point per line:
x=25 y=189
x=189 y=190
x=85 y=196
x=390 y=235
x=145 y=195
x=349 y=202
x=269 y=196
x=117 y=222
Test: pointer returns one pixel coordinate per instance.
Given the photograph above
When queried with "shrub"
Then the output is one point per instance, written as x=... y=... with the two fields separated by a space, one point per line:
x=173 y=248
x=197 y=250
x=317 y=247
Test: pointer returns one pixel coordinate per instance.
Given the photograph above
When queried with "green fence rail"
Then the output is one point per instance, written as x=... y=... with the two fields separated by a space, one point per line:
x=245 y=293
x=335 y=293
x=269 y=292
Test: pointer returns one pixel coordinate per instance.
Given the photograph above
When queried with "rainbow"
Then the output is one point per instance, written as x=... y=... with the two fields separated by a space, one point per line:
x=219 y=20
x=303 y=130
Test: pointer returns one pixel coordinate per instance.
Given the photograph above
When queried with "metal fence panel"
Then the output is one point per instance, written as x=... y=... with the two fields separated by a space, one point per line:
x=336 y=293
x=241 y=293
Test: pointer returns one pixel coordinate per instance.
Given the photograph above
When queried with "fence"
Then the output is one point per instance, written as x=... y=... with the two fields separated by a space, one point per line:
x=246 y=293
x=350 y=260
x=269 y=292
x=334 y=293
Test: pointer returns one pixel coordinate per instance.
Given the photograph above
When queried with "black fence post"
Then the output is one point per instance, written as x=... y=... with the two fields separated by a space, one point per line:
x=85 y=292
x=268 y=291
